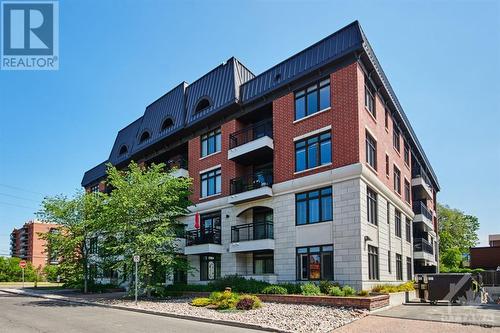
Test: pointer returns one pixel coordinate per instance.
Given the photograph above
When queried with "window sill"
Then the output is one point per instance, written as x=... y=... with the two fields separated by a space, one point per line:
x=372 y=224
x=371 y=114
x=207 y=156
x=312 y=115
x=397 y=151
x=311 y=169
x=306 y=224
x=210 y=196
x=371 y=168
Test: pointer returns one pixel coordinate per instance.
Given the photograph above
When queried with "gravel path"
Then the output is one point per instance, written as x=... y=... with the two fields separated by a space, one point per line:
x=285 y=317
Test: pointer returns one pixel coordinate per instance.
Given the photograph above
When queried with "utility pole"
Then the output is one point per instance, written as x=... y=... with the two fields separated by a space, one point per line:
x=136 y=261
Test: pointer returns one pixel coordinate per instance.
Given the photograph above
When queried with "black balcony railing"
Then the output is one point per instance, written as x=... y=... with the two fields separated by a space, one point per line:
x=251 y=133
x=417 y=172
x=179 y=163
x=252 y=231
x=205 y=236
x=251 y=181
x=422 y=245
x=420 y=208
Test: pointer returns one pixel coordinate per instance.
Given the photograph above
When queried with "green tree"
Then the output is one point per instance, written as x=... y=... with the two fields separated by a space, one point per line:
x=11 y=272
x=457 y=234
x=80 y=219
x=143 y=211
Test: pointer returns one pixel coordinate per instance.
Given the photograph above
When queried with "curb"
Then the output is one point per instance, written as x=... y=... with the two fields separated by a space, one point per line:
x=150 y=312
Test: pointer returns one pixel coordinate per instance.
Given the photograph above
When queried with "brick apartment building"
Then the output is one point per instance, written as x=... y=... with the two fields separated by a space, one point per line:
x=486 y=257
x=307 y=171
x=25 y=243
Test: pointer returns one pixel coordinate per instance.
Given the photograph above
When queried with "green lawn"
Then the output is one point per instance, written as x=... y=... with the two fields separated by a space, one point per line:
x=29 y=284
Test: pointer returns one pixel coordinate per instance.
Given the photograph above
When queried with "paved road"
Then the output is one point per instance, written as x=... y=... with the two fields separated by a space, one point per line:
x=20 y=314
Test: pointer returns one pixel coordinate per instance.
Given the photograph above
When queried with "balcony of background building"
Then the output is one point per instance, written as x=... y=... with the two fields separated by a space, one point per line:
x=180 y=165
x=421 y=183
x=252 y=186
x=254 y=142
x=422 y=214
x=207 y=240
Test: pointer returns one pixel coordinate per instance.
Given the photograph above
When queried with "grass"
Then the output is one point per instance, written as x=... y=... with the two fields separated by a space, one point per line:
x=30 y=284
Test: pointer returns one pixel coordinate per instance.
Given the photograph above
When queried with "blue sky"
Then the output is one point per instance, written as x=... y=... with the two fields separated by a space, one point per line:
x=442 y=58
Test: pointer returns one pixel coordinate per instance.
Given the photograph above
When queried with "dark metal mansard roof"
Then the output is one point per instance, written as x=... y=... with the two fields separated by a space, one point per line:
x=233 y=84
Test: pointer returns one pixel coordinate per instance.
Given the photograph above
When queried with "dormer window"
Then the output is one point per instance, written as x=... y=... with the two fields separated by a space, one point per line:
x=144 y=136
x=167 y=123
x=202 y=105
x=123 y=150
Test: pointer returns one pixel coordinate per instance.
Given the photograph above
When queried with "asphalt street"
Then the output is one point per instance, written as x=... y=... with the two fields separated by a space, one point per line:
x=20 y=314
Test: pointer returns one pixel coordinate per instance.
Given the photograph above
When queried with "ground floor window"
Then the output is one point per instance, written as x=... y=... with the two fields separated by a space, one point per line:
x=209 y=267
x=399 y=267
x=408 y=269
x=263 y=262
x=315 y=263
x=180 y=273
x=373 y=272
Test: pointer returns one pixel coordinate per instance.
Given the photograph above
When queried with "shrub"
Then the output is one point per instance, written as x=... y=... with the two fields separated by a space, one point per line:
x=310 y=289
x=201 y=301
x=187 y=287
x=363 y=293
x=335 y=291
x=238 y=284
x=291 y=288
x=224 y=300
x=348 y=290
x=248 y=302
x=275 y=289
x=325 y=285
x=388 y=288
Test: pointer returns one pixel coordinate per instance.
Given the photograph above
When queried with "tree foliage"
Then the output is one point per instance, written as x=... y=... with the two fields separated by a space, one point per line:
x=457 y=233
x=142 y=214
x=11 y=272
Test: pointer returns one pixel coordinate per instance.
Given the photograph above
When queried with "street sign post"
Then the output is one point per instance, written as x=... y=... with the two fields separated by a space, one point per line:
x=22 y=264
x=136 y=261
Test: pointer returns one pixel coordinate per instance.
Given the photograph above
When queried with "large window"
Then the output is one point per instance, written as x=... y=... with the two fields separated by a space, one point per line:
x=210 y=183
x=389 y=261
x=371 y=198
x=373 y=273
x=314 y=206
x=397 y=222
x=409 y=275
x=371 y=151
x=263 y=262
x=211 y=142
x=313 y=151
x=397 y=180
x=370 y=98
x=312 y=99
x=395 y=139
x=209 y=267
x=399 y=267
x=407 y=153
x=315 y=263
x=386 y=119
x=407 y=191
x=408 y=230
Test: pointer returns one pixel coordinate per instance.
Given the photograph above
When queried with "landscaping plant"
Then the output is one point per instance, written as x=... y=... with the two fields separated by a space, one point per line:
x=335 y=291
x=275 y=290
x=248 y=302
x=325 y=286
x=348 y=290
x=310 y=289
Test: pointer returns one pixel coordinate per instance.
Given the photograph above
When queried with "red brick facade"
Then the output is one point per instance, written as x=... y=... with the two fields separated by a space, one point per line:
x=342 y=117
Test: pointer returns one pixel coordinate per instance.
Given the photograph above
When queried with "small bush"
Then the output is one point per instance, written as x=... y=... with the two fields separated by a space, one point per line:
x=348 y=290
x=335 y=291
x=389 y=288
x=275 y=290
x=325 y=285
x=201 y=301
x=238 y=284
x=248 y=302
x=363 y=293
x=225 y=300
x=291 y=288
x=310 y=289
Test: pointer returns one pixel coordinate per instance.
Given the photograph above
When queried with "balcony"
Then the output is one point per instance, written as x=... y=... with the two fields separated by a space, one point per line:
x=251 y=187
x=421 y=183
x=252 y=237
x=203 y=241
x=180 y=166
x=422 y=215
x=252 y=143
x=423 y=250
